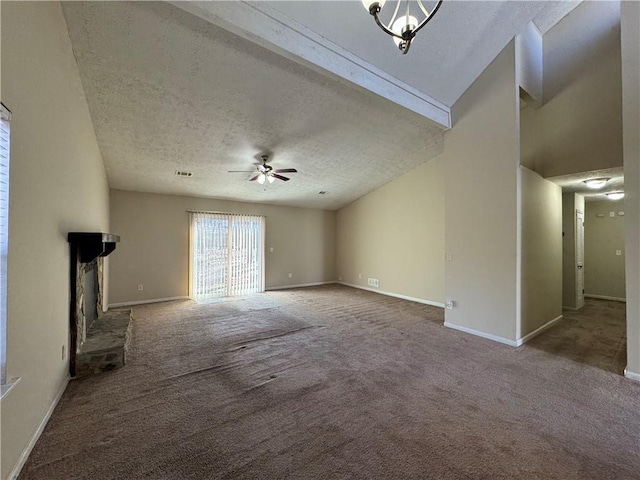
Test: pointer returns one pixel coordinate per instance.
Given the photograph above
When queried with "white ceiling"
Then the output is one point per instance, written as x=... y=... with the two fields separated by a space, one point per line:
x=168 y=91
x=446 y=56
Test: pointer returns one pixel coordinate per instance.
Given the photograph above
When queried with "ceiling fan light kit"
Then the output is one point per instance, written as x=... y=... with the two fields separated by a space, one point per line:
x=402 y=28
x=266 y=173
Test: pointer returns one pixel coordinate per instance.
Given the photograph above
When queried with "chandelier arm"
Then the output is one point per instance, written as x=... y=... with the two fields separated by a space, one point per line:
x=426 y=20
x=424 y=10
x=384 y=27
x=395 y=14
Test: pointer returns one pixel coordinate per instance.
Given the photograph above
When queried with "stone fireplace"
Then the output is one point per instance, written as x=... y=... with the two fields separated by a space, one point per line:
x=89 y=297
x=97 y=340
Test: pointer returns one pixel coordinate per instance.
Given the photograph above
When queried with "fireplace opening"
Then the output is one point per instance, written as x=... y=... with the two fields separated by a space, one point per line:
x=91 y=294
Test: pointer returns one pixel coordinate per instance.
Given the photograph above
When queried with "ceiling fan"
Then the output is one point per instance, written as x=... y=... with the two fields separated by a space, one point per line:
x=266 y=172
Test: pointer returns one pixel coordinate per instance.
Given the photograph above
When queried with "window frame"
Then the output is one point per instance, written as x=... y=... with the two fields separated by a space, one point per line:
x=5 y=154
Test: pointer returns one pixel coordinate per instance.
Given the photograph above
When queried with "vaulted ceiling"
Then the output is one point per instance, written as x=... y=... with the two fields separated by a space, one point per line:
x=168 y=91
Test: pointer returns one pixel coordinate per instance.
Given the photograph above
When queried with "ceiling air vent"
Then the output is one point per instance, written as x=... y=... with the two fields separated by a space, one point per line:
x=181 y=173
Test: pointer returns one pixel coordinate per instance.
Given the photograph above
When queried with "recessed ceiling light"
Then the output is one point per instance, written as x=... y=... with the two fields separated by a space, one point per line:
x=596 y=182
x=181 y=173
x=615 y=195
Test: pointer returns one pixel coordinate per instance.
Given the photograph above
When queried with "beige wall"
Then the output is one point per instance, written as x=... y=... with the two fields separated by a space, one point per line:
x=396 y=234
x=58 y=184
x=631 y=117
x=603 y=269
x=571 y=204
x=541 y=251
x=481 y=212
x=154 y=248
x=579 y=128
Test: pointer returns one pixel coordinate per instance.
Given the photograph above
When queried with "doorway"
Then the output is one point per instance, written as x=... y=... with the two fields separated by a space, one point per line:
x=579 y=259
x=226 y=255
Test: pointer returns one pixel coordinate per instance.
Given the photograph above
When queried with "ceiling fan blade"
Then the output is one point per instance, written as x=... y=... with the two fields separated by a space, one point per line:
x=254 y=178
x=280 y=177
x=240 y=171
x=286 y=170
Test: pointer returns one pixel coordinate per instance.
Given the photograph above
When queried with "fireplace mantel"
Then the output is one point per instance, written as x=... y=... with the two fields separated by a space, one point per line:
x=92 y=245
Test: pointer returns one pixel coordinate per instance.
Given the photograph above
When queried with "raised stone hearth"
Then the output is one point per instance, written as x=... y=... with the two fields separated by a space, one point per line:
x=106 y=344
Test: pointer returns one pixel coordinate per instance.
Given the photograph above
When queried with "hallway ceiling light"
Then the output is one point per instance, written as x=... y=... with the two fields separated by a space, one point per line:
x=402 y=28
x=596 y=182
x=615 y=195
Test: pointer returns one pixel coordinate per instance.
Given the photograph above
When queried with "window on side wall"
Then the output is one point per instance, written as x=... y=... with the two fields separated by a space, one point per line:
x=5 y=129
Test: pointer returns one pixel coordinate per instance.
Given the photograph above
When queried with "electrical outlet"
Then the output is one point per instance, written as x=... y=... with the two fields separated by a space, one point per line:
x=140 y=287
x=64 y=351
x=270 y=249
x=376 y=282
x=290 y=275
x=618 y=252
x=360 y=276
x=449 y=304
x=370 y=281
x=339 y=278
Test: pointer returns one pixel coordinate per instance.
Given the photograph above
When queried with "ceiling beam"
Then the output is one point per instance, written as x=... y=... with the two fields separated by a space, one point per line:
x=270 y=29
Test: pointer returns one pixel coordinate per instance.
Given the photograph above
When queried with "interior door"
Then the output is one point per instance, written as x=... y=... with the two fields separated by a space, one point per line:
x=579 y=259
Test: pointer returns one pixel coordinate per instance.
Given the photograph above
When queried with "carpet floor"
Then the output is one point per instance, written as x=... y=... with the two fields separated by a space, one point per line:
x=336 y=383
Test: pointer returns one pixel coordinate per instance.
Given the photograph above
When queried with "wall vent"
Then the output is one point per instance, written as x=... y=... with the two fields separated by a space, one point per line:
x=181 y=173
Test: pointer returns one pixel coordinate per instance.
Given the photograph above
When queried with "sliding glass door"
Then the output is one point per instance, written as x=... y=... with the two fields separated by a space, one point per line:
x=227 y=255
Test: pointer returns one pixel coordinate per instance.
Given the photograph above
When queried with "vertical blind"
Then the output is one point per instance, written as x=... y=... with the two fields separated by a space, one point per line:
x=227 y=255
x=5 y=117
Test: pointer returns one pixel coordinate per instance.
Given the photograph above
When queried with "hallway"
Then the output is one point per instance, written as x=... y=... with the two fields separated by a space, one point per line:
x=595 y=335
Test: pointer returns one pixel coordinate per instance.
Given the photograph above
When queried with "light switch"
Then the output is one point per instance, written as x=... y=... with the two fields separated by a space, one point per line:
x=612 y=214
x=270 y=249
x=618 y=252
x=449 y=257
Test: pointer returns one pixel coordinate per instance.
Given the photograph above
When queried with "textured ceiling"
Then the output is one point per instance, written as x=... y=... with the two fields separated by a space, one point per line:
x=574 y=183
x=447 y=55
x=168 y=91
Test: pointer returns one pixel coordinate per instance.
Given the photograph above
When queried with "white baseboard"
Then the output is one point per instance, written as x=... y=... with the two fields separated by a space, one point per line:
x=300 y=285
x=142 y=302
x=478 y=333
x=605 y=297
x=396 y=295
x=538 y=331
x=632 y=375
x=8 y=386
x=13 y=475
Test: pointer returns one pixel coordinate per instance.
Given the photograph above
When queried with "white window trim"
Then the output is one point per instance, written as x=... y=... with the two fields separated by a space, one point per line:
x=5 y=117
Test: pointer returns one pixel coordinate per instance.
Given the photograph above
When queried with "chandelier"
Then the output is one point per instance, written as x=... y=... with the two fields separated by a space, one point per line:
x=402 y=28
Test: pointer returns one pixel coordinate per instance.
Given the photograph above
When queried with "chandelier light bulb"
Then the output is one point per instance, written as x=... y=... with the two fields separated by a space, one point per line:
x=271 y=178
x=262 y=178
x=367 y=4
x=403 y=24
